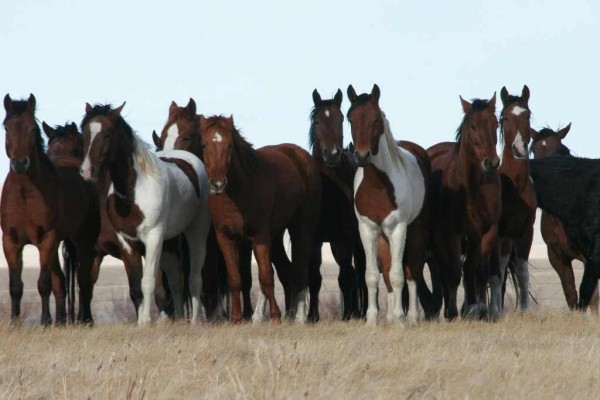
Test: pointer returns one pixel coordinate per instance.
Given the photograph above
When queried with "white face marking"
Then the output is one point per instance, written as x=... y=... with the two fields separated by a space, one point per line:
x=543 y=142
x=327 y=113
x=520 y=144
x=518 y=110
x=95 y=128
x=172 y=134
x=217 y=137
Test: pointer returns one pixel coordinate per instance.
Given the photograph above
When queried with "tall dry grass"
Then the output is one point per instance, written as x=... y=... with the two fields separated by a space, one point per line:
x=541 y=355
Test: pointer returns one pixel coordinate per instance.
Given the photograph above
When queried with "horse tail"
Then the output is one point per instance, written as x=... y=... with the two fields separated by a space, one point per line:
x=512 y=271
x=70 y=267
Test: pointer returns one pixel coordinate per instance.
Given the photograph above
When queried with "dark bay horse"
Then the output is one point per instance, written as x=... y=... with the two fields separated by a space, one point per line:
x=466 y=204
x=390 y=200
x=67 y=141
x=152 y=198
x=338 y=224
x=182 y=132
x=515 y=229
x=256 y=195
x=561 y=251
x=43 y=203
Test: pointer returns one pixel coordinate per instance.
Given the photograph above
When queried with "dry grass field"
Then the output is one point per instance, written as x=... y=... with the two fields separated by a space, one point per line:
x=539 y=355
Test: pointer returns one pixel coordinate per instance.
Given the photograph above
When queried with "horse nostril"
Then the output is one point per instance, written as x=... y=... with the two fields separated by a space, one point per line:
x=325 y=153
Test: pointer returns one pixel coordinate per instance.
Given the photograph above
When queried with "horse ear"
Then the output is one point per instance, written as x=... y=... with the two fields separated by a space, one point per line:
x=492 y=103
x=375 y=92
x=504 y=95
x=74 y=127
x=534 y=134
x=48 y=130
x=465 y=105
x=316 y=97
x=117 y=111
x=231 y=119
x=88 y=108
x=352 y=96
x=191 y=106
x=7 y=102
x=563 y=132
x=31 y=102
x=172 y=107
x=525 y=94
x=338 y=98
x=156 y=140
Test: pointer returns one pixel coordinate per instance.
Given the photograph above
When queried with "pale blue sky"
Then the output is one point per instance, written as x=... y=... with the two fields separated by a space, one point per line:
x=260 y=61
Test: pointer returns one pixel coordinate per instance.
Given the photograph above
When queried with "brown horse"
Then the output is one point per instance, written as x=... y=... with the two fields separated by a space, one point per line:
x=64 y=141
x=43 y=203
x=182 y=132
x=338 y=224
x=561 y=251
x=390 y=200
x=515 y=229
x=466 y=203
x=256 y=195
x=68 y=142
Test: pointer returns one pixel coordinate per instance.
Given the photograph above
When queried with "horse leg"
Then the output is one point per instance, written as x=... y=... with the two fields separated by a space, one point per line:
x=169 y=263
x=369 y=235
x=589 y=283
x=342 y=253
x=522 y=249
x=303 y=245
x=384 y=265
x=470 y=271
x=564 y=269
x=415 y=251
x=230 y=250
x=594 y=301
x=196 y=235
x=153 y=244
x=486 y=266
x=85 y=253
x=14 y=258
x=448 y=250
x=284 y=269
x=47 y=248
x=132 y=260
x=58 y=289
x=262 y=253
x=502 y=252
x=315 y=280
x=397 y=240
x=210 y=278
x=245 y=263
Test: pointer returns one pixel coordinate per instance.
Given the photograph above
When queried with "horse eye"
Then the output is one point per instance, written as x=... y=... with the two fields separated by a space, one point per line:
x=473 y=127
x=316 y=122
x=186 y=139
x=107 y=136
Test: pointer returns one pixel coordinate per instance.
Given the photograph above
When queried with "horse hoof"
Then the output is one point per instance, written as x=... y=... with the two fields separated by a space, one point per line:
x=144 y=320
x=411 y=320
x=372 y=318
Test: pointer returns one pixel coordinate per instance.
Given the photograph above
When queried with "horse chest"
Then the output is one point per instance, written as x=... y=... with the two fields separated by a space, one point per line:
x=374 y=194
x=226 y=215
x=124 y=216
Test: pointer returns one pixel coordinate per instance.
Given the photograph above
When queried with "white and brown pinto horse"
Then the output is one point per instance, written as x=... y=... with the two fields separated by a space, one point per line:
x=389 y=194
x=153 y=197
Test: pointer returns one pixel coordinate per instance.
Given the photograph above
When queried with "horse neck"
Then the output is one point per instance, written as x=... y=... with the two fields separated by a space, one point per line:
x=123 y=174
x=469 y=172
x=41 y=171
x=388 y=158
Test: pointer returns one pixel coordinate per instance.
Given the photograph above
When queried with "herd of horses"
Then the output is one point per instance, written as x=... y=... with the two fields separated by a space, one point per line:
x=186 y=219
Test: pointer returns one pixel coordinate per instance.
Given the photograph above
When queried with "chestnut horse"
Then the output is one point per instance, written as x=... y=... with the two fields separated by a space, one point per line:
x=338 y=224
x=561 y=251
x=519 y=204
x=43 y=203
x=182 y=132
x=256 y=195
x=68 y=141
x=466 y=204
x=389 y=199
x=152 y=198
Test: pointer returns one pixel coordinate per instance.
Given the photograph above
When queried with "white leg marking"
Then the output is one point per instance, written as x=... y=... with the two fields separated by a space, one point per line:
x=153 y=244
x=369 y=236
x=172 y=134
x=496 y=288
x=397 y=238
x=413 y=302
x=301 y=307
x=124 y=244
x=390 y=307
x=522 y=272
x=260 y=311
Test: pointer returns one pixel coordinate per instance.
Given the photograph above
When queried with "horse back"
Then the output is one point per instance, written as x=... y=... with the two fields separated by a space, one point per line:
x=421 y=155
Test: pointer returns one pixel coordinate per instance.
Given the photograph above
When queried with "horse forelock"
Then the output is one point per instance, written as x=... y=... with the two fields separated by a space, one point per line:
x=477 y=105
x=20 y=107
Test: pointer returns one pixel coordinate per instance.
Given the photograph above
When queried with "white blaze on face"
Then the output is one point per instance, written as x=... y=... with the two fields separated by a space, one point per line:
x=172 y=134
x=519 y=144
x=217 y=137
x=518 y=110
x=327 y=113
x=543 y=142
x=95 y=128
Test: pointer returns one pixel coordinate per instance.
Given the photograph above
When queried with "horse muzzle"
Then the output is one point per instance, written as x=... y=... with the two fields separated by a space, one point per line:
x=519 y=153
x=20 y=165
x=490 y=166
x=89 y=174
x=332 y=157
x=362 y=158
x=217 y=186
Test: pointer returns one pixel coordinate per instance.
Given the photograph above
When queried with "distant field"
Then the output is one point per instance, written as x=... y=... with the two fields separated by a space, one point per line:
x=540 y=355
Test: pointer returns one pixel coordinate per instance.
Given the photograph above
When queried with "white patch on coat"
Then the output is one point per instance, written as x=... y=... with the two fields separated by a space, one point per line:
x=172 y=134
x=217 y=138
x=124 y=243
x=518 y=110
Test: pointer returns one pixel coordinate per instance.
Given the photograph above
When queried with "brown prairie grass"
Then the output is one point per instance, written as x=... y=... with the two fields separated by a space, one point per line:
x=538 y=355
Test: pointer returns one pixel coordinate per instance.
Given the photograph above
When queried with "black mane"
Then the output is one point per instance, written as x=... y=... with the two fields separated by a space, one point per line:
x=106 y=110
x=476 y=106
x=19 y=107
x=313 y=114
